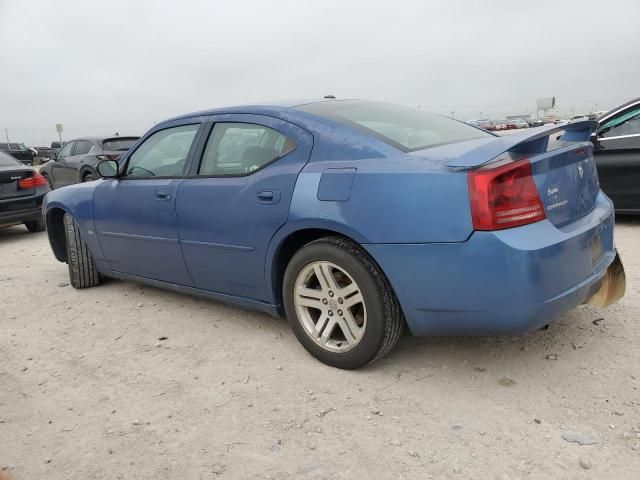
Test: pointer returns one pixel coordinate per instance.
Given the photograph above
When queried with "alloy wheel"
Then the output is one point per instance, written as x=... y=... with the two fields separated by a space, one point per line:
x=330 y=306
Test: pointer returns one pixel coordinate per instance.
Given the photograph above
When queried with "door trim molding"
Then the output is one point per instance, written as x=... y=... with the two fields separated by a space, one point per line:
x=139 y=237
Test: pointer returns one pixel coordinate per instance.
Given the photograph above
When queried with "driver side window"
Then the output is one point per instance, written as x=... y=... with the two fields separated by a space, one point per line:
x=627 y=123
x=163 y=154
x=66 y=150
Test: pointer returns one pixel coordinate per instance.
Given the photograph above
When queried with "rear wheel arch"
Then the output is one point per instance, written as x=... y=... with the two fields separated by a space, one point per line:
x=294 y=241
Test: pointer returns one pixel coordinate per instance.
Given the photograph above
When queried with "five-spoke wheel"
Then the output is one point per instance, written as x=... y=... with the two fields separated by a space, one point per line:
x=330 y=306
x=339 y=303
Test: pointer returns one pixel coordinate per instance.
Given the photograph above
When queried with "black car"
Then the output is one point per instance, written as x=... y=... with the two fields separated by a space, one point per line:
x=76 y=161
x=21 y=192
x=19 y=152
x=617 y=154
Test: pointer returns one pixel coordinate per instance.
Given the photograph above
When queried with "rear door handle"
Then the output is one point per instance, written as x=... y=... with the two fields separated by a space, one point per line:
x=269 y=196
x=163 y=195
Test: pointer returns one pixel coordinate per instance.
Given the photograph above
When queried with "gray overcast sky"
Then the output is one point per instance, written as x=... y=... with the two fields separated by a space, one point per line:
x=119 y=65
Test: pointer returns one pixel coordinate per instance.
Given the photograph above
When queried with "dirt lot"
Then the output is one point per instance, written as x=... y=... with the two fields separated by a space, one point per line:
x=88 y=390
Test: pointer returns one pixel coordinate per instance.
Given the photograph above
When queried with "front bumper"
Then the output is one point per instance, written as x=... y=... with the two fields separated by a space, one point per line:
x=503 y=282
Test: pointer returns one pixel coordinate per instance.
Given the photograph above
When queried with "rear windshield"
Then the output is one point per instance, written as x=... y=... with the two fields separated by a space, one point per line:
x=8 y=161
x=117 y=144
x=405 y=128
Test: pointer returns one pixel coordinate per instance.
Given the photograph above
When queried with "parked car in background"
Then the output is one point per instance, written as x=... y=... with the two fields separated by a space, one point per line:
x=21 y=192
x=45 y=153
x=76 y=161
x=535 y=122
x=520 y=123
x=19 y=151
x=617 y=154
x=496 y=125
x=352 y=218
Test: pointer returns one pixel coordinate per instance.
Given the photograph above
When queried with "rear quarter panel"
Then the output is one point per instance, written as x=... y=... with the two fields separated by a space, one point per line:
x=392 y=200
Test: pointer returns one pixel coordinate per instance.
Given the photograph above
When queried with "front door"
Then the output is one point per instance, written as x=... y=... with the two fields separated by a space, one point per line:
x=617 y=154
x=237 y=198
x=59 y=169
x=135 y=215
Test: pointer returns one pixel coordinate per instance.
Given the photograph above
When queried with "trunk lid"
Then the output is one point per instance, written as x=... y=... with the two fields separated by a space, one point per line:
x=567 y=181
x=562 y=166
x=9 y=184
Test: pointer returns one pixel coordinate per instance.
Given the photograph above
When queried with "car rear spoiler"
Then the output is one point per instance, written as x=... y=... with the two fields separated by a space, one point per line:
x=534 y=143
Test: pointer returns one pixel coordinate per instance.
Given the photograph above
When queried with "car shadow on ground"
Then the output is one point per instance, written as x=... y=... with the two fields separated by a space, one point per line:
x=459 y=354
x=17 y=233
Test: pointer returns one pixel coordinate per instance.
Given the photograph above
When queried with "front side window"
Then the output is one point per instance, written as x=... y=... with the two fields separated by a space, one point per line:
x=407 y=129
x=163 y=154
x=66 y=150
x=626 y=124
x=242 y=148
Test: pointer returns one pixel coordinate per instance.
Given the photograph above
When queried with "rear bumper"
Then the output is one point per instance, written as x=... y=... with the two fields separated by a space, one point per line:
x=504 y=282
x=20 y=211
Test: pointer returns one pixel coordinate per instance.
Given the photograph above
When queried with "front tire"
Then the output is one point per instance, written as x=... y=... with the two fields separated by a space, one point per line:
x=82 y=269
x=340 y=305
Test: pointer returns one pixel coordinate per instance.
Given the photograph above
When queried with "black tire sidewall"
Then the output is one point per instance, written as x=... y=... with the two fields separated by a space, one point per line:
x=373 y=295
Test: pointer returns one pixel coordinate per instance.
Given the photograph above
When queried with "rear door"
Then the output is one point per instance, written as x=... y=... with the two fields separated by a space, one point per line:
x=237 y=196
x=617 y=153
x=135 y=215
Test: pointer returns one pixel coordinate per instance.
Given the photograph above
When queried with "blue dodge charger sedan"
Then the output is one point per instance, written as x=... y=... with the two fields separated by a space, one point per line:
x=352 y=218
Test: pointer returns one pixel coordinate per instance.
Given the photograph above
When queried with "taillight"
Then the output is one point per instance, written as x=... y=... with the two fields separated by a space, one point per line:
x=504 y=197
x=36 y=180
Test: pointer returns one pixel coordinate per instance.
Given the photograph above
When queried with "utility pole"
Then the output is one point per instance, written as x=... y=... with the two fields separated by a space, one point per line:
x=6 y=132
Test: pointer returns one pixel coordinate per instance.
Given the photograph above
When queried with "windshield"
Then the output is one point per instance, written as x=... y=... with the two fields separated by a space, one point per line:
x=118 y=144
x=407 y=129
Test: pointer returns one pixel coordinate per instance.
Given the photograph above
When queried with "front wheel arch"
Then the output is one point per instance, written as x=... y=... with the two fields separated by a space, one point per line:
x=56 y=232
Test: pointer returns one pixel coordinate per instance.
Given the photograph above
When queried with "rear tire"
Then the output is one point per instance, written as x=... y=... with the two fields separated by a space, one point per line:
x=82 y=269
x=34 y=226
x=340 y=305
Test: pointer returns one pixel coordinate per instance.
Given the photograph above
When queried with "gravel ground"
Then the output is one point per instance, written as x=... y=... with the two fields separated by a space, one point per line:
x=126 y=381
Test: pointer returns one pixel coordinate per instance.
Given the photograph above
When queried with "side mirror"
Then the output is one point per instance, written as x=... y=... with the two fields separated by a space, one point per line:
x=108 y=169
x=52 y=156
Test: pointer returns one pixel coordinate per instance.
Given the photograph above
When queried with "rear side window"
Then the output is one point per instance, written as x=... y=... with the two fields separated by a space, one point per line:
x=242 y=148
x=118 y=144
x=82 y=147
x=163 y=154
x=405 y=128
x=8 y=161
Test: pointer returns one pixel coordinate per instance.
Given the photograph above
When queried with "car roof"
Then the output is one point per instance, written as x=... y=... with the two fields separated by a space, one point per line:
x=102 y=139
x=266 y=108
x=619 y=108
